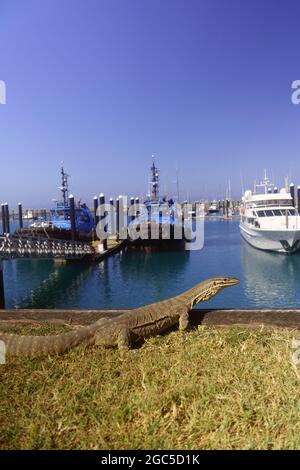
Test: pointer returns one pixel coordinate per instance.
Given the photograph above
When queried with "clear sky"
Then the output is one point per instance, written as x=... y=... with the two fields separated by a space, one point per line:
x=205 y=85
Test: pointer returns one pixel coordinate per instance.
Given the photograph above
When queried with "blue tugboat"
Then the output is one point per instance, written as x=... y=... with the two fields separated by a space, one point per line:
x=161 y=213
x=58 y=225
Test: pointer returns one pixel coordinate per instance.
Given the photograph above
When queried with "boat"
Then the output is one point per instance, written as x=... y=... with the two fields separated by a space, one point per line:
x=213 y=208
x=29 y=215
x=159 y=225
x=58 y=225
x=268 y=218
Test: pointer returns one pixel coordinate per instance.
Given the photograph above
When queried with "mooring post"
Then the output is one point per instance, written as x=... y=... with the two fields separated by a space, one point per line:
x=2 y=297
x=7 y=224
x=183 y=216
x=102 y=216
x=137 y=203
x=117 y=218
x=95 y=212
x=132 y=217
x=3 y=218
x=72 y=217
x=160 y=223
x=112 y=217
x=122 y=233
x=20 y=215
x=292 y=192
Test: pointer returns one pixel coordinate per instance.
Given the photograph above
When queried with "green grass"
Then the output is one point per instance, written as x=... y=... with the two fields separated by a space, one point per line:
x=227 y=388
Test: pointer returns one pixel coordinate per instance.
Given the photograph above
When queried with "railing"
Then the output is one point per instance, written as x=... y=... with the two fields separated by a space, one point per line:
x=34 y=247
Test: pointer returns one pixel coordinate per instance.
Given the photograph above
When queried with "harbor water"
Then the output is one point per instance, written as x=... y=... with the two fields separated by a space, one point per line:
x=131 y=279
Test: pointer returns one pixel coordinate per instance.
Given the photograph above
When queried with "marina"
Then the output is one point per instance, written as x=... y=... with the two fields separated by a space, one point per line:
x=268 y=280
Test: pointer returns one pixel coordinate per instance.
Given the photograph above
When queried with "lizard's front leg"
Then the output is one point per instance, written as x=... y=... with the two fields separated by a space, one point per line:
x=124 y=339
x=184 y=321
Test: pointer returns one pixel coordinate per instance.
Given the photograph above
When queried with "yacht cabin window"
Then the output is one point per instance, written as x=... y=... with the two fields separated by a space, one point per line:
x=276 y=212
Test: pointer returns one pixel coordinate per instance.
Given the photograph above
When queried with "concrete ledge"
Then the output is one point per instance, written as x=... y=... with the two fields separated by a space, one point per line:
x=283 y=318
x=76 y=317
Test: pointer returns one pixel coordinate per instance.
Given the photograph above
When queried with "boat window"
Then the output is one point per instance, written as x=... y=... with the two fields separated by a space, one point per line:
x=277 y=212
x=269 y=213
x=60 y=214
x=261 y=213
x=274 y=202
x=292 y=212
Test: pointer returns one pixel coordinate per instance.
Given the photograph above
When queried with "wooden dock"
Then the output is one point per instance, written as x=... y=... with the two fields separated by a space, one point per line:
x=113 y=247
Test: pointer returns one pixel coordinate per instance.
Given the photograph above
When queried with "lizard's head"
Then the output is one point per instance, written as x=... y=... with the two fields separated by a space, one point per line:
x=212 y=286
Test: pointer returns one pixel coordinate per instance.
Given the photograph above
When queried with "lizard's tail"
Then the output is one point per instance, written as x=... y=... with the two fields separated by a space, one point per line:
x=17 y=345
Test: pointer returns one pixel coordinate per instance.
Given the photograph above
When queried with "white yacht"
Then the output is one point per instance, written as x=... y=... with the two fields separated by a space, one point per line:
x=269 y=220
x=213 y=208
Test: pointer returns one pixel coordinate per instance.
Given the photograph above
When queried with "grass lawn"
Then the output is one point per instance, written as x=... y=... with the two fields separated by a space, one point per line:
x=226 y=388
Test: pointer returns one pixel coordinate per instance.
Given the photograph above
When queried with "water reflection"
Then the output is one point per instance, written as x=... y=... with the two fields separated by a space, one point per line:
x=270 y=279
x=59 y=285
x=132 y=279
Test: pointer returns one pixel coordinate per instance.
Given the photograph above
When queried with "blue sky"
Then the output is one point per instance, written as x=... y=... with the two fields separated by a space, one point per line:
x=205 y=85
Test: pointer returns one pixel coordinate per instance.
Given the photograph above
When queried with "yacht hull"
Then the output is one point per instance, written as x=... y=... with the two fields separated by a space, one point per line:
x=281 y=241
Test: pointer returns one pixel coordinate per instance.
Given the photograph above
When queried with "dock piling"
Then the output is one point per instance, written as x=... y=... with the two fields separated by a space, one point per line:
x=117 y=218
x=95 y=211
x=292 y=192
x=112 y=217
x=3 y=218
x=132 y=217
x=121 y=232
x=7 y=223
x=137 y=203
x=72 y=217
x=20 y=215
x=102 y=216
x=2 y=297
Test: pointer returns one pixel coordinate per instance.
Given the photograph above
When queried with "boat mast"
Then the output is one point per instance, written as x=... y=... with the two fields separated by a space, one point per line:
x=154 y=182
x=64 y=188
x=265 y=183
